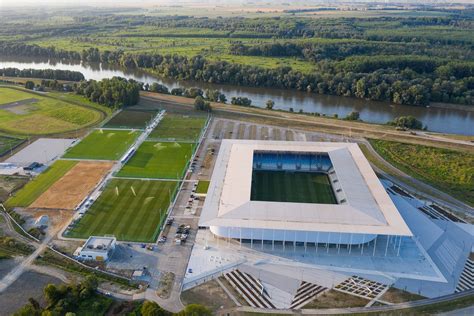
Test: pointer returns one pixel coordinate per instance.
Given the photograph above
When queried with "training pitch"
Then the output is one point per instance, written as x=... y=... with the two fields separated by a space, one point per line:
x=27 y=113
x=131 y=119
x=158 y=160
x=131 y=210
x=179 y=127
x=33 y=189
x=285 y=186
x=103 y=145
x=73 y=187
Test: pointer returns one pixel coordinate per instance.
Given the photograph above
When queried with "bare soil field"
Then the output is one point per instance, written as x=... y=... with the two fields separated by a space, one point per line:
x=73 y=187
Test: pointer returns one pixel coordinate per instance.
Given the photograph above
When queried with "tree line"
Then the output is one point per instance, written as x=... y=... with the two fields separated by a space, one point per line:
x=55 y=74
x=340 y=49
x=412 y=80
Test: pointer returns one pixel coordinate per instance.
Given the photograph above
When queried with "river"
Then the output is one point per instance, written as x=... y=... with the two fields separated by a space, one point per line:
x=444 y=120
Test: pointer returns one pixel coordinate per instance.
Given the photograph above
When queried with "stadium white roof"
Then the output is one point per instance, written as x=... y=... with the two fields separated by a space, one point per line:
x=368 y=208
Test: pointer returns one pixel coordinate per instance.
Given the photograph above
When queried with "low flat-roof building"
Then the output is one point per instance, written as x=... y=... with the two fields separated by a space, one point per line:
x=96 y=248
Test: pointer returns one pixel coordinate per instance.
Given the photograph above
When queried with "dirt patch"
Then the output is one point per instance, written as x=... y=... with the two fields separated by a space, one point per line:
x=166 y=285
x=335 y=299
x=73 y=187
x=18 y=103
x=57 y=218
x=9 y=184
x=394 y=295
x=209 y=294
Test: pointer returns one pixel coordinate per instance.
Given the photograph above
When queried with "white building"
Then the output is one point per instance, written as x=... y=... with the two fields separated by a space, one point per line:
x=361 y=211
x=96 y=248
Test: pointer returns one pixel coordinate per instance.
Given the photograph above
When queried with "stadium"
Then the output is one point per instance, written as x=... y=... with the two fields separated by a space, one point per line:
x=301 y=193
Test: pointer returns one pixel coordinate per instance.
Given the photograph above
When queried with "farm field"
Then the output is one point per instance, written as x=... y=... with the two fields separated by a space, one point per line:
x=33 y=189
x=166 y=160
x=131 y=119
x=26 y=113
x=73 y=187
x=103 y=145
x=7 y=143
x=298 y=187
x=448 y=170
x=131 y=210
x=177 y=127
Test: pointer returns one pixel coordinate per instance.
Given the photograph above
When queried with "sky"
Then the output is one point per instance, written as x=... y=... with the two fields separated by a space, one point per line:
x=144 y=3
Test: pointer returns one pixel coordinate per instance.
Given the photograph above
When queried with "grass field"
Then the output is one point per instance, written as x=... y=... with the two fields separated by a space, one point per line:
x=131 y=119
x=34 y=114
x=448 y=170
x=178 y=127
x=33 y=189
x=7 y=143
x=202 y=186
x=103 y=144
x=158 y=160
x=298 y=187
x=131 y=210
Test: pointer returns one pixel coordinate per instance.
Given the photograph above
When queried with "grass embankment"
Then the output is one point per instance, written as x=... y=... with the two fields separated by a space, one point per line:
x=158 y=160
x=103 y=145
x=203 y=186
x=448 y=170
x=33 y=189
x=131 y=210
x=130 y=119
x=8 y=143
x=53 y=259
x=27 y=113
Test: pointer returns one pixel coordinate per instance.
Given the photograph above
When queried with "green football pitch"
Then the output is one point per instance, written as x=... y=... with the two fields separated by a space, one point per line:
x=131 y=210
x=178 y=128
x=33 y=189
x=158 y=160
x=103 y=144
x=285 y=186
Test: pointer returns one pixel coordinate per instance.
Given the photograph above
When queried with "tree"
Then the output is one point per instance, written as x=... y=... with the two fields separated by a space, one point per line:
x=177 y=91
x=52 y=294
x=159 y=88
x=29 y=85
x=353 y=116
x=270 y=104
x=407 y=122
x=153 y=309
x=201 y=105
x=195 y=310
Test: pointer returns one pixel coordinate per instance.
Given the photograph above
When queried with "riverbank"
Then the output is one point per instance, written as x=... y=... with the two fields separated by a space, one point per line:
x=440 y=118
x=314 y=123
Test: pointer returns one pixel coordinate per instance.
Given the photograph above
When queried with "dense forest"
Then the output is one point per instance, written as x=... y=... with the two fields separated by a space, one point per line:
x=412 y=61
x=116 y=92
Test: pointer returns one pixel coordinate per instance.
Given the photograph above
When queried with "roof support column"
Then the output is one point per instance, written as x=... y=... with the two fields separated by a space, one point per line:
x=386 y=248
x=273 y=239
x=327 y=244
x=240 y=229
x=399 y=245
x=350 y=244
x=375 y=245
x=362 y=248
x=251 y=238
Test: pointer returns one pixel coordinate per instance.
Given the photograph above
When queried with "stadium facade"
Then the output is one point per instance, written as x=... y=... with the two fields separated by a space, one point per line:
x=300 y=193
